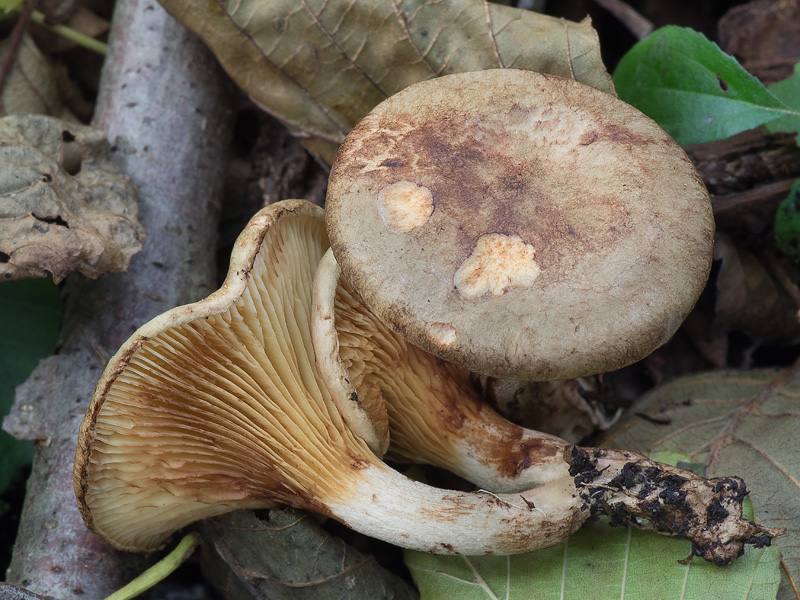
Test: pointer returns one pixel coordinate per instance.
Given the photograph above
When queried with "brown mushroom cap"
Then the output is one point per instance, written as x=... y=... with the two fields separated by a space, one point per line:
x=521 y=225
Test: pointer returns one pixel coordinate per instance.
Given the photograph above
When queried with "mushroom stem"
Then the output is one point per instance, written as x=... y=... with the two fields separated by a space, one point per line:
x=421 y=517
x=626 y=486
x=636 y=491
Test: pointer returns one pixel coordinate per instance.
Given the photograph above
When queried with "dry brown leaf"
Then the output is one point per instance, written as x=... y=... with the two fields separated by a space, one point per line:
x=286 y=555
x=738 y=423
x=321 y=66
x=30 y=86
x=52 y=221
x=749 y=299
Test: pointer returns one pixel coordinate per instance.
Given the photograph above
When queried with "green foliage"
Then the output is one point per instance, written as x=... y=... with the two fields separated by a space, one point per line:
x=597 y=563
x=9 y=6
x=787 y=223
x=788 y=91
x=695 y=91
x=30 y=318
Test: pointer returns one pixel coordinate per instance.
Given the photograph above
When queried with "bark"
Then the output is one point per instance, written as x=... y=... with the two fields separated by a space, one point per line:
x=163 y=102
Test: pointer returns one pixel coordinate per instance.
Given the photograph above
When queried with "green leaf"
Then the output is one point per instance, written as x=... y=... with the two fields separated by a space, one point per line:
x=597 y=563
x=690 y=87
x=30 y=318
x=788 y=91
x=7 y=6
x=319 y=66
x=787 y=223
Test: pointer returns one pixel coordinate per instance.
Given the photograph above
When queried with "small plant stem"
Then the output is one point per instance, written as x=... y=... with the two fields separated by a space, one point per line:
x=70 y=34
x=158 y=571
x=635 y=22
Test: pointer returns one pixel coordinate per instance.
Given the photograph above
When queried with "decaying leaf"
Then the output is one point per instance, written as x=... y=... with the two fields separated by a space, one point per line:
x=739 y=423
x=64 y=206
x=288 y=556
x=30 y=86
x=560 y=408
x=321 y=66
x=749 y=299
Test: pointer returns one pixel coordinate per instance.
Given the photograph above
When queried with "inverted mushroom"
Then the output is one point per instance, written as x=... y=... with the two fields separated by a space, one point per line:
x=521 y=225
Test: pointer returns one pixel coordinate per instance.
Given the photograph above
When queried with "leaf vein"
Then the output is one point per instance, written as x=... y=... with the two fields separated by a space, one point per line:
x=316 y=19
x=490 y=31
x=249 y=37
x=480 y=580
x=401 y=19
x=783 y=470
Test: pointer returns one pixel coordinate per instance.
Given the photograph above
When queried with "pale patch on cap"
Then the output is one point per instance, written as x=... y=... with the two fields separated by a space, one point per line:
x=441 y=334
x=497 y=263
x=403 y=206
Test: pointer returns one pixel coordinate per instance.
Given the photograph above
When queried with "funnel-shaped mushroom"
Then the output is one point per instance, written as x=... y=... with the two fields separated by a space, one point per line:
x=216 y=405
x=521 y=225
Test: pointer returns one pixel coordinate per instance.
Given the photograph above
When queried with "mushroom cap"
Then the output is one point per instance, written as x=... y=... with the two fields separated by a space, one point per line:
x=520 y=225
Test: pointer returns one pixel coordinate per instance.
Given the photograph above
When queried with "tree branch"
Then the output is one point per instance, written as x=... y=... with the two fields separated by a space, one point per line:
x=163 y=104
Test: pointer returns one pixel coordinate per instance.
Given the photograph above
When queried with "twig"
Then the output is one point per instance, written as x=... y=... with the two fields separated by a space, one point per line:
x=636 y=23
x=70 y=34
x=768 y=192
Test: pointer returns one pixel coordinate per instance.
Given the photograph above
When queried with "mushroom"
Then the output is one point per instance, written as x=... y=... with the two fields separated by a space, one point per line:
x=520 y=225
x=437 y=417
x=217 y=405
